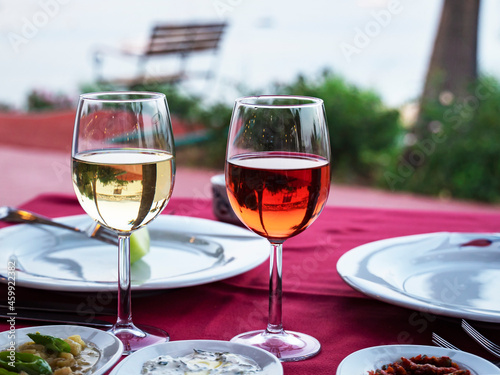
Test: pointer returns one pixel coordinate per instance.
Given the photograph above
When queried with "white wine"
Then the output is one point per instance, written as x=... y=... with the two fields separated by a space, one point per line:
x=123 y=189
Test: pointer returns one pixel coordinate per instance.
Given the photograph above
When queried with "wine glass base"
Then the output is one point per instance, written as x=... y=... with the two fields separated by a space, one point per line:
x=287 y=346
x=138 y=337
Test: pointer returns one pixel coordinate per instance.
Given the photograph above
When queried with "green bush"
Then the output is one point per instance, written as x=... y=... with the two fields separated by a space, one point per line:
x=5 y=107
x=211 y=151
x=215 y=118
x=44 y=101
x=184 y=106
x=363 y=132
x=458 y=157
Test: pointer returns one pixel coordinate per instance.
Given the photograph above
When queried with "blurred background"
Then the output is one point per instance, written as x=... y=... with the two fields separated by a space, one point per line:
x=410 y=87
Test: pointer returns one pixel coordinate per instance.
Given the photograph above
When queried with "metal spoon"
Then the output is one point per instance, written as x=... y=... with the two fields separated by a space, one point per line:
x=14 y=215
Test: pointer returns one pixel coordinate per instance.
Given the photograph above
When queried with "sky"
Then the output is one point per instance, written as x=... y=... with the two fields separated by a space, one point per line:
x=383 y=45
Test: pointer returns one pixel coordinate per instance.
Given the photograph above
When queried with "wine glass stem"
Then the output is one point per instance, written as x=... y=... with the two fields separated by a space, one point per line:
x=124 y=285
x=275 y=323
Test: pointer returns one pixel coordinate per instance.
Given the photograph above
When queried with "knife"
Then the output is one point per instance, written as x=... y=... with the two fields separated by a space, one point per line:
x=56 y=317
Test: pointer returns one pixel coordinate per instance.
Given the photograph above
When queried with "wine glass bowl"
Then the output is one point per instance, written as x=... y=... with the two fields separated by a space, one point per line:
x=278 y=180
x=123 y=168
x=277 y=195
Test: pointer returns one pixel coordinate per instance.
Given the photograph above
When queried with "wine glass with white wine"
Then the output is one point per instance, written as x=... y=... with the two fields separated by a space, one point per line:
x=123 y=168
x=278 y=180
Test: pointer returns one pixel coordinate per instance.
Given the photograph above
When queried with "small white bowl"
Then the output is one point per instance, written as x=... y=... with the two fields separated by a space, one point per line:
x=132 y=365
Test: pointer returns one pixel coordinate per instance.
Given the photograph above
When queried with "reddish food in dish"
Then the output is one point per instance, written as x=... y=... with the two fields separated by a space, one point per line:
x=421 y=365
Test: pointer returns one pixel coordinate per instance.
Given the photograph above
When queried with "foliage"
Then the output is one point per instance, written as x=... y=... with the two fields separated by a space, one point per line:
x=459 y=155
x=363 y=133
x=192 y=111
x=216 y=118
x=457 y=158
x=45 y=101
x=4 y=107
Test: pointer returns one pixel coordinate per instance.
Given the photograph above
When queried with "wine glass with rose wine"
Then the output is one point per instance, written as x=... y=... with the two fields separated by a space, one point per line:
x=278 y=179
x=123 y=169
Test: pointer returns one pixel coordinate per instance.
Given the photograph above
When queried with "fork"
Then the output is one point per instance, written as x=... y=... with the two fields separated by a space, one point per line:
x=439 y=341
x=480 y=339
x=95 y=231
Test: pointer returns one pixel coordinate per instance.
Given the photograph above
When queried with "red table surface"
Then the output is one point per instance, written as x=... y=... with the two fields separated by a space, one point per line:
x=316 y=300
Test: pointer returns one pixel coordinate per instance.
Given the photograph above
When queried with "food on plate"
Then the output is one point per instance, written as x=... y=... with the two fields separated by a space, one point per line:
x=23 y=363
x=49 y=355
x=202 y=362
x=422 y=365
x=139 y=244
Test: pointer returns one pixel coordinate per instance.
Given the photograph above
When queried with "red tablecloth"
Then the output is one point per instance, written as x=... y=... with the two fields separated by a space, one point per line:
x=316 y=299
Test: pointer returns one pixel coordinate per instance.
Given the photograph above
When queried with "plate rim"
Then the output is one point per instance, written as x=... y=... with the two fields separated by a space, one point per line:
x=179 y=281
x=463 y=357
x=131 y=357
x=110 y=362
x=397 y=297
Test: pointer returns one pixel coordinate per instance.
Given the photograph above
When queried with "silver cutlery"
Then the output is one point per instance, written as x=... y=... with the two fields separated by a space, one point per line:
x=95 y=231
x=439 y=341
x=480 y=339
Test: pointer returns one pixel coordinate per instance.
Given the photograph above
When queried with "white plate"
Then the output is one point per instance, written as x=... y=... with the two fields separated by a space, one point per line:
x=432 y=272
x=132 y=365
x=185 y=251
x=370 y=359
x=109 y=346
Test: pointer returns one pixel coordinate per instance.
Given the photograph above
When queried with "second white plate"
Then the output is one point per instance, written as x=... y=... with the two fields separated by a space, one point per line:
x=185 y=251
x=451 y=274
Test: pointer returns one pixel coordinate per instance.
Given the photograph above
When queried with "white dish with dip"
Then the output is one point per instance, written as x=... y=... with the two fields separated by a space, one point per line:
x=132 y=365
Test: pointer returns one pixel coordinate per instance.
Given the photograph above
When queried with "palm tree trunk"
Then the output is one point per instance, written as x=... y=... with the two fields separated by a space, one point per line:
x=453 y=64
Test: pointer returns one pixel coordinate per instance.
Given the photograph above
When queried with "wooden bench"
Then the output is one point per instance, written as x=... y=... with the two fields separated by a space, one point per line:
x=168 y=40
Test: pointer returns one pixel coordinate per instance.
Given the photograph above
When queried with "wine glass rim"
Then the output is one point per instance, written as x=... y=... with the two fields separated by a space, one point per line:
x=122 y=96
x=259 y=101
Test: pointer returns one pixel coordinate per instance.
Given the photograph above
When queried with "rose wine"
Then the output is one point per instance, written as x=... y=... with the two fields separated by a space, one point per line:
x=277 y=195
x=123 y=189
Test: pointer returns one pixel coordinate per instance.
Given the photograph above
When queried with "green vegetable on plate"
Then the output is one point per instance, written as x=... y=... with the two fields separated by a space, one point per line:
x=51 y=343
x=27 y=362
x=139 y=244
x=7 y=372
